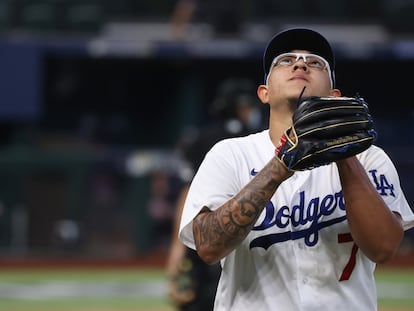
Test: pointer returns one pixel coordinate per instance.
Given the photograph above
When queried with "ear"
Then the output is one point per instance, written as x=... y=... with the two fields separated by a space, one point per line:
x=262 y=93
x=336 y=93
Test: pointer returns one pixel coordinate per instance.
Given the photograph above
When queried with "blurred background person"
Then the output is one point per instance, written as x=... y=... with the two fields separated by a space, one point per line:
x=192 y=283
x=161 y=208
x=225 y=18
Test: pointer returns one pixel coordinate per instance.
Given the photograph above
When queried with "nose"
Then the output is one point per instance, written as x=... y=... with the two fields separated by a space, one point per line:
x=300 y=64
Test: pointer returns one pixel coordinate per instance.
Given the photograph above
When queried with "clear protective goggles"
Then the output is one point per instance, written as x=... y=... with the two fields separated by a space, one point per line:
x=311 y=60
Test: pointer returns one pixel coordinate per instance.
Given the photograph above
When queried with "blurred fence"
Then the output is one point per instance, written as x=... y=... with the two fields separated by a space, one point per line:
x=84 y=202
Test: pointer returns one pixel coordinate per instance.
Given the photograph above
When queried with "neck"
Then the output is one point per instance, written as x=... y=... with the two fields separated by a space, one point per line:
x=278 y=124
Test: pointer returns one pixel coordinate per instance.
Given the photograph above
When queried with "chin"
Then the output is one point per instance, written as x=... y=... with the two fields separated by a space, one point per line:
x=298 y=92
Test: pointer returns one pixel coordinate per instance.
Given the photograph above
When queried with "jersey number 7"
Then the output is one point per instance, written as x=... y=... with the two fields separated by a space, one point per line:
x=346 y=273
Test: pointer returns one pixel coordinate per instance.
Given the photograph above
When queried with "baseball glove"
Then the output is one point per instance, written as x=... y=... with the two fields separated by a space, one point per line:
x=324 y=130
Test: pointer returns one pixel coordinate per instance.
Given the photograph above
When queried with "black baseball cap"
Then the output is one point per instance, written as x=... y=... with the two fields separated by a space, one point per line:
x=298 y=39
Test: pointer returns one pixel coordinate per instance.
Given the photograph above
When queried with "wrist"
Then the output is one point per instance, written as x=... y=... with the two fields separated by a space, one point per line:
x=280 y=171
x=347 y=162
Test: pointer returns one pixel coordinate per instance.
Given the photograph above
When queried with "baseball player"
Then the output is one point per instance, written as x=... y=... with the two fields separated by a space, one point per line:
x=297 y=228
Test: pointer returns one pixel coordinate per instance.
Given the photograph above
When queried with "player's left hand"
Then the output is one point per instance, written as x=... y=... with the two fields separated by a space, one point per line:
x=324 y=130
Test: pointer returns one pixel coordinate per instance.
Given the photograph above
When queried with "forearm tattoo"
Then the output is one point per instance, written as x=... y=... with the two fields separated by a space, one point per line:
x=229 y=225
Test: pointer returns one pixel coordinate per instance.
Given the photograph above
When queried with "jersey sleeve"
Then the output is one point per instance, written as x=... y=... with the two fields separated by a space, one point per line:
x=385 y=178
x=214 y=183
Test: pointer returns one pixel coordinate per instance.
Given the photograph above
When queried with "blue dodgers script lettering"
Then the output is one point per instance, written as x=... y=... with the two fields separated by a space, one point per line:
x=299 y=215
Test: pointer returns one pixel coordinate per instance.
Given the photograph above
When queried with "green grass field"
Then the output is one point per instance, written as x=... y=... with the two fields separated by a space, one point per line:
x=82 y=289
x=137 y=289
x=396 y=288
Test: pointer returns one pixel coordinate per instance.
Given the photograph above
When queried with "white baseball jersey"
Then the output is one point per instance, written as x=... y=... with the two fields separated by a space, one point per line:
x=300 y=254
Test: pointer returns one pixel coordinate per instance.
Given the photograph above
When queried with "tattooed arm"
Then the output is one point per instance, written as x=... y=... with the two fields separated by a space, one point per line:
x=218 y=232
